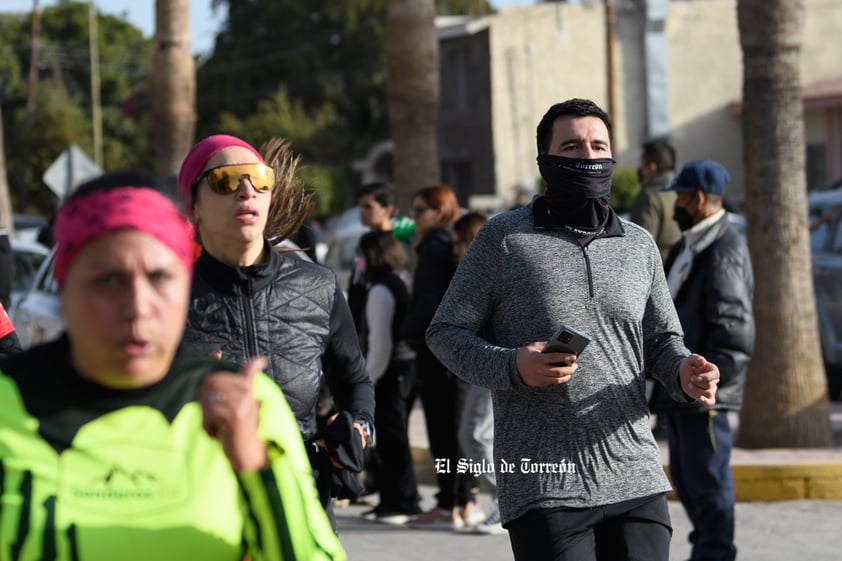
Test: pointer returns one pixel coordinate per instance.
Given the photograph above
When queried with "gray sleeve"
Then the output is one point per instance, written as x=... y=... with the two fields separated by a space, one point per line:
x=464 y=312
x=663 y=338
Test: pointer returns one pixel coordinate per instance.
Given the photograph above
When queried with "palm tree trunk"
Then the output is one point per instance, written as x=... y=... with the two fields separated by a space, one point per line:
x=174 y=86
x=786 y=403
x=412 y=92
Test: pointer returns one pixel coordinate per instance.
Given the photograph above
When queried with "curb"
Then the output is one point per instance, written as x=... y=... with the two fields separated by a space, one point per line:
x=788 y=482
x=752 y=482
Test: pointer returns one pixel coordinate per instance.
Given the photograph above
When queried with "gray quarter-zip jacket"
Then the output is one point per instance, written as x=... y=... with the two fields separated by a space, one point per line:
x=587 y=442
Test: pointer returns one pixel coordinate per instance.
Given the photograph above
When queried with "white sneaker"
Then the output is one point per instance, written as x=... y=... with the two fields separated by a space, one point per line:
x=491 y=525
x=436 y=519
x=472 y=514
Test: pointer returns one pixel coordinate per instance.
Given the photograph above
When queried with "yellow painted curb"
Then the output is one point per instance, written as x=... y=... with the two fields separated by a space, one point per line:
x=786 y=482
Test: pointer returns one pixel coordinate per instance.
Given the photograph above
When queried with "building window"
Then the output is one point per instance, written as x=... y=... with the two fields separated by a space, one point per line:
x=815 y=166
x=457 y=175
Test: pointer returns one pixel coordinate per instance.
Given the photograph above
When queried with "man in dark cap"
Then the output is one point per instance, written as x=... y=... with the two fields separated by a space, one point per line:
x=710 y=279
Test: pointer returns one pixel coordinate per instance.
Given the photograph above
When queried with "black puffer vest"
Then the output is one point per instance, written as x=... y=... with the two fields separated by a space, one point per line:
x=292 y=312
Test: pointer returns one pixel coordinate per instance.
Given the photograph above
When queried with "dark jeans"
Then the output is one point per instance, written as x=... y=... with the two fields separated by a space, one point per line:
x=443 y=395
x=700 y=454
x=396 y=475
x=636 y=530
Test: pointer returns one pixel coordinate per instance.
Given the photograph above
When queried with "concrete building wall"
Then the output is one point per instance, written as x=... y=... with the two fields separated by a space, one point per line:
x=465 y=123
x=822 y=42
x=539 y=55
x=501 y=75
x=705 y=77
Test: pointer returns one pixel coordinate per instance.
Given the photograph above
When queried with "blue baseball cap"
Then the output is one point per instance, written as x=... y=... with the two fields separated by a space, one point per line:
x=701 y=175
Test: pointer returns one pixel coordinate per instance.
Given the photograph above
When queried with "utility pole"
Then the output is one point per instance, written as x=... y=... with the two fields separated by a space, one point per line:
x=96 y=106
x=31 y=89
x=35 y=43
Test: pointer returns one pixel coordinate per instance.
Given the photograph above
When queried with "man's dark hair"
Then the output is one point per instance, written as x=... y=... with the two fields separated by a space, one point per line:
x=661 y=153
x=384 y=193
x=570 y=108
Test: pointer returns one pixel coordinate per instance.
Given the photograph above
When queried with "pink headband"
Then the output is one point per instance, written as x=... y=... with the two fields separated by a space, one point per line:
x=87 y=217
x=198 y=157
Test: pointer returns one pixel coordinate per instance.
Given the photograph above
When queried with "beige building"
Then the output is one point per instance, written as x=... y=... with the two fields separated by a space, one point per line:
x=660 y=68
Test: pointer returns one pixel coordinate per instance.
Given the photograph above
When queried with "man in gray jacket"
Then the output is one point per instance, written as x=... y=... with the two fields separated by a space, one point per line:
x=579 y=473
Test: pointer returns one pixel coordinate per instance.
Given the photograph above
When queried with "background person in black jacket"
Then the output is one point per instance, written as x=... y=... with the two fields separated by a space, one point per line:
x=434 y=210
x=249 y=300
x=376 y=202
x=710 y=279
x=391 y=364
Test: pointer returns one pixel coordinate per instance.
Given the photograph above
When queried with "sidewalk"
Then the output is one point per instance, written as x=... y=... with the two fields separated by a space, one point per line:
x=773 y=529
x=765 y=531
x=759 y=475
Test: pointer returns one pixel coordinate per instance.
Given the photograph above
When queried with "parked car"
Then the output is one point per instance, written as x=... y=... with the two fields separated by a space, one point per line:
x=342 y=247
x=28 y=226
x=28 y=256
x=37 y=314
x=821 y=206
x=826 y=248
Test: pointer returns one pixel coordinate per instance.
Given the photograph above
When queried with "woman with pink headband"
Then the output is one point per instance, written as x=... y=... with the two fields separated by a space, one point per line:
x=248 y=299
x=117 y=443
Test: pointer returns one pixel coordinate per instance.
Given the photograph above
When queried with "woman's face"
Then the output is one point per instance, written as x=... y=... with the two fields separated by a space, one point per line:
x=125 y=300
x=426 y=217
x=231 y=225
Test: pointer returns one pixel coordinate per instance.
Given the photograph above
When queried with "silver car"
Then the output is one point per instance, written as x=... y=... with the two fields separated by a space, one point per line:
x=37 y=315
x=825 y=210
x=28 y=256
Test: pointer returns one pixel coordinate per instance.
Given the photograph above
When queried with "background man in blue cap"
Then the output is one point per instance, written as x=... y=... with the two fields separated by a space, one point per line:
x=710 y=280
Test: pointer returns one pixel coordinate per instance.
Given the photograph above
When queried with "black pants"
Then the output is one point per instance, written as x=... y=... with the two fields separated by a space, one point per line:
x=636 y=530
x=323 y=477
x=443 y=395
x=396 y=475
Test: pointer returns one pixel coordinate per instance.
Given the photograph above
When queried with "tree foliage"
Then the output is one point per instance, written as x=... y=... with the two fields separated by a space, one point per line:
x=323 y=60
x=62 y=109
x=312 y=71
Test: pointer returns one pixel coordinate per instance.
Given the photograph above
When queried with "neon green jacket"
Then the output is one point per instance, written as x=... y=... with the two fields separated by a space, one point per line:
x=89 y=473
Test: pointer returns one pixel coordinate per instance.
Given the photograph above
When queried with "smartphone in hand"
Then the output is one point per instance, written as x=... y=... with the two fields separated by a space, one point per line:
x=567 y=340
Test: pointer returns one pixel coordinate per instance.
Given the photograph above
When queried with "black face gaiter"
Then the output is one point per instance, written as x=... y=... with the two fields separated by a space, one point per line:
x=577 y=189
x=683 y=218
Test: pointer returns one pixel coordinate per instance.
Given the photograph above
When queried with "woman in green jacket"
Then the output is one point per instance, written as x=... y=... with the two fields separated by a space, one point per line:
x=116 y=443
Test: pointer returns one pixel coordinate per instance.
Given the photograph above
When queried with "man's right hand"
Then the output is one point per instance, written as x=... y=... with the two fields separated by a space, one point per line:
x=539 y=369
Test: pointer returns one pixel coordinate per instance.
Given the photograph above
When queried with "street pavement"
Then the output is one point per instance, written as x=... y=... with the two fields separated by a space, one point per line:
x=765 y=531
x=797 y=530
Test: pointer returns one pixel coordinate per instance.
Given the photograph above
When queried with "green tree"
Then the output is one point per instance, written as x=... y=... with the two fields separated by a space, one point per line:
x=278 y=115
x=62 y=111
x=624 y=188
x=327 y=56
x=319 y=51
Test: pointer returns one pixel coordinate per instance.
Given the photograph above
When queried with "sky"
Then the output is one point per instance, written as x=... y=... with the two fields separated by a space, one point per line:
x=203 y=22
